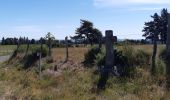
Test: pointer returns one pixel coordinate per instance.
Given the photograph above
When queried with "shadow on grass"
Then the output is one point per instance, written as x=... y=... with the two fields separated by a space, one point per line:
x=104 y=76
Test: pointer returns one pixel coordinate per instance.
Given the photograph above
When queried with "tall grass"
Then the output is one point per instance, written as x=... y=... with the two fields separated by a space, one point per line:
x=30 y=58
x=81 y=83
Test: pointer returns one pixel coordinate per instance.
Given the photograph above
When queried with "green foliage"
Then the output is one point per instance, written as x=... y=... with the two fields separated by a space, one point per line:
x=90 y=56
x=87 y=31
x=142 y=58
x=50 y=40
x=31 y=57
x=100 y=58
x=162 y=54
x=126 y=59
x=158 y=26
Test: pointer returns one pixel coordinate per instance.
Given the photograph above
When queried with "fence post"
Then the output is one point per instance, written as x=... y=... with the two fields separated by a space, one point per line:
x=39 y=64
x=66 y=43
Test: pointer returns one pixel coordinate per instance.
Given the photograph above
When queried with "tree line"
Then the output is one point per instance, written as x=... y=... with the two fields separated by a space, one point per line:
x=22 y=40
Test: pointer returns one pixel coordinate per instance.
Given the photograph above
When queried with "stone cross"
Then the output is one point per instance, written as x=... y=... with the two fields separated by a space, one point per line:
x=109 y=61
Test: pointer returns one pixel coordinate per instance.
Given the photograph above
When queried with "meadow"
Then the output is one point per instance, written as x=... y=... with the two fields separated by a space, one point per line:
x=73 y=81
x=6 y=49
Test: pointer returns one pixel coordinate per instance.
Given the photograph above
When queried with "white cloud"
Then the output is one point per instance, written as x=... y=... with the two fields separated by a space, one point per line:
x=129 y=2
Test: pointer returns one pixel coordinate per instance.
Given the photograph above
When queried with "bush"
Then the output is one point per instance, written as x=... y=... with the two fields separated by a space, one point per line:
x=90 y=56
x=32 y=57
x=142 y=58
x=29 y=58
x=126 y=60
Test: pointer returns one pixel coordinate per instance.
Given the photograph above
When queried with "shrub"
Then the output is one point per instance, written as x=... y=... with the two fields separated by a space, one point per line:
x=100 y=58
x=32 y=57
x=141 y=58
x=126 y=60
x=90 y=56
x=127 y=56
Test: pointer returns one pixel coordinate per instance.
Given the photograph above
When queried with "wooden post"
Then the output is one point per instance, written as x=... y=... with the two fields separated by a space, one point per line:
x=168 y=54
x=153 y=66
x=168 y=41
x=39 y=64
x=28 y=44
x=100 y=42
x=66 y=43
x=41 y=44
x=18 y=44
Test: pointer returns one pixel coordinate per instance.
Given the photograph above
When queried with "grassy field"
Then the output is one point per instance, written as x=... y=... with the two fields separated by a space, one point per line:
x=6 y=49
x=72 y=81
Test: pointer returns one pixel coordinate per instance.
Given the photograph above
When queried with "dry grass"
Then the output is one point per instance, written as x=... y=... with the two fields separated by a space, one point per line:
x=75 y=54
x=78 y=84
x=6 y=49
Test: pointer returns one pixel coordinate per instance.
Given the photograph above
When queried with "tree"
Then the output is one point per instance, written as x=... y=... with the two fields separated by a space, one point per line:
x=32 y=41
x=168 y=55
x=97 y=36
x=152 y=30
x=3 y=41
x=149 y=30
x=49 y=37
x=87 y=31
x=28 y=45
x=164 y=25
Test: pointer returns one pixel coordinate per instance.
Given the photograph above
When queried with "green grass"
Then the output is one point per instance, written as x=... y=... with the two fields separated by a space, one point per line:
x=79 y=83
x=6 y=49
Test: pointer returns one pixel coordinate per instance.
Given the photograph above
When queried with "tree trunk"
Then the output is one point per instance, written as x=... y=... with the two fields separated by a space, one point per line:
x=153 y=67
x=18 y=45
x=50 y=50
x=28 y=44
x=50 y=45
x=41 y=46
x=91 y=42
x=168 y=54
x=100 y=43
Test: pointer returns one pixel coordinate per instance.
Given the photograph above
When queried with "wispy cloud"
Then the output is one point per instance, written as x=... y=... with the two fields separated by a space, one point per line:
x=129 y=2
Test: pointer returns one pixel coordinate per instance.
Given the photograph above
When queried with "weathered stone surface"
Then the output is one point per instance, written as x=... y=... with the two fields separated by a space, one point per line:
x=109 y=49
x=109 y=61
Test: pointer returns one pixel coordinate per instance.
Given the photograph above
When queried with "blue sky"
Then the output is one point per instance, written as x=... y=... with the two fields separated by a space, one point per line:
x=34 y=18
